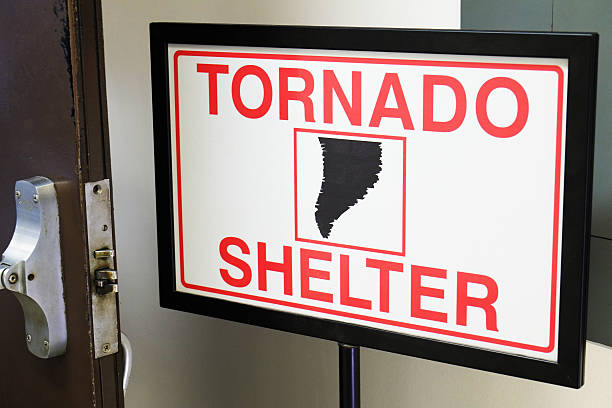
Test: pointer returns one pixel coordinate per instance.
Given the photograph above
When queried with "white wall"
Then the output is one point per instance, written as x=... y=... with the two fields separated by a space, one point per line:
x=185 y=361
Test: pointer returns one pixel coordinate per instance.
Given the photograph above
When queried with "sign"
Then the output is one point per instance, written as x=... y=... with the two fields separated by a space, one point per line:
x=400 y=193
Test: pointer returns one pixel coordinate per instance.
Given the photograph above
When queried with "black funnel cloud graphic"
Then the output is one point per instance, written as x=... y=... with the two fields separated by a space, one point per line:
x=350 y=168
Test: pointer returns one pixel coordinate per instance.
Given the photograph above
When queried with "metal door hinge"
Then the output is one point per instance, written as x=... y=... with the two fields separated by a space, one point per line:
x=102 y=271
x=31 y=267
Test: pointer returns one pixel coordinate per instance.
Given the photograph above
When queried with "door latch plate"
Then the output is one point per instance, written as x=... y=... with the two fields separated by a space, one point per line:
x=102 y=271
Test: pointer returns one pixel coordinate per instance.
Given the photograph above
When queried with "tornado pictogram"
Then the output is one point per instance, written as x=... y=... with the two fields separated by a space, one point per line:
x=350 y=169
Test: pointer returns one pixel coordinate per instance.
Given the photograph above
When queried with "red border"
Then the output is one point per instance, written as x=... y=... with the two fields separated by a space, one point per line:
x=455 y=64
x=295 y=182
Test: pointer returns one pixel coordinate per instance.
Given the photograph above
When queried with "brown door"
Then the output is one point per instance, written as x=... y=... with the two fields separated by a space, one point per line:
x=53 y=124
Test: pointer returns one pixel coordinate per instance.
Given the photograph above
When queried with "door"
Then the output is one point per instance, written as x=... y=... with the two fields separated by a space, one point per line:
x=53 y=124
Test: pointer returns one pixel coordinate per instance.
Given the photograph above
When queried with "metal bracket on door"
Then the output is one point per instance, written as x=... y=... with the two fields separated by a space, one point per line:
x=31 y=267
x=102 y=271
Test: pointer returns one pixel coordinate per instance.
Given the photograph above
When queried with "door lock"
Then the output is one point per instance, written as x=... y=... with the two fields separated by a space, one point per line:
x=31 y=267
x=106 y=281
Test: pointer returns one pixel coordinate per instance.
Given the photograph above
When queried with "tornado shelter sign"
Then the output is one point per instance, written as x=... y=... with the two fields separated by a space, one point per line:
x=389 y=192
x=413 y=194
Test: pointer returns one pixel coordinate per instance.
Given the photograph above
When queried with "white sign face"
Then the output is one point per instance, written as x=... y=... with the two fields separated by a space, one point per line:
x=415 y=193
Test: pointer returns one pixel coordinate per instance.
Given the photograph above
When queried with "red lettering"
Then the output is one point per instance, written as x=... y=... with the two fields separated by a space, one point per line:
x=263 y=266
x=486 y=303
x=306 y=273
x=429 y=81
x=331 y=86
x=391 y=81
x=212 y=70
x=521 y=101
x=384 y=267
x=237 y=262
x=417 y=290
x=267 y=92
x=284 y=94
x=345 y=297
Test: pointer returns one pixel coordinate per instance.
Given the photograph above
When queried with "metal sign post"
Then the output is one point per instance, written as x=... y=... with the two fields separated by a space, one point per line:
x=348 y=359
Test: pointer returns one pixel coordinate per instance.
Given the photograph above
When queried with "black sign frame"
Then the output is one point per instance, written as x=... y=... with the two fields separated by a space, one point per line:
x=581 y=51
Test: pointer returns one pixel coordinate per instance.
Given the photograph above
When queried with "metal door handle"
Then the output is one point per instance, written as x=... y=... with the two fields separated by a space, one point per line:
x=31 y=267
x=128 y=358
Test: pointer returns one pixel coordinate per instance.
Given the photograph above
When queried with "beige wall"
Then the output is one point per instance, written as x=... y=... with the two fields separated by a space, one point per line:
x=184 y=361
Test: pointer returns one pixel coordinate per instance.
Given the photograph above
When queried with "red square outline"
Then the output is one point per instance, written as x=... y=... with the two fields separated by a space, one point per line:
x=391 y=61
x=295 y=195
